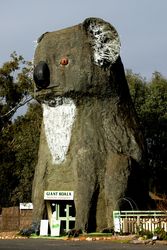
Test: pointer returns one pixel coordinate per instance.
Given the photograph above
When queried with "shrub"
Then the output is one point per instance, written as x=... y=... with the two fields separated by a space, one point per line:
x=161 y=234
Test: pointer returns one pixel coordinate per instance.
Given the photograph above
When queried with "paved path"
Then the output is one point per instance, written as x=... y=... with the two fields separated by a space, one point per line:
x=49 y=244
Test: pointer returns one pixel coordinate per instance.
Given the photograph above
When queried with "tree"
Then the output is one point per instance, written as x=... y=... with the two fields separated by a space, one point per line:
x=7 y=158
x=26 y=140
x=150 y=100
x=155 y=123
x=15 y=86
x=138 y=90
x=18 y=138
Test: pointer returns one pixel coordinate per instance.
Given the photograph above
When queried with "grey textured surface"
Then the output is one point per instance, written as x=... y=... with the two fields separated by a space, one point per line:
x=104 y=159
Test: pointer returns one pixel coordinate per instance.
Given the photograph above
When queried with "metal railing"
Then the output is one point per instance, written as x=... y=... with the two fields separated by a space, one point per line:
x=135 y=221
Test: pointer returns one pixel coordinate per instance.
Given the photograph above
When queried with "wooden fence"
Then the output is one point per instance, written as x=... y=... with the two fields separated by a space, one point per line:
x=14 y=218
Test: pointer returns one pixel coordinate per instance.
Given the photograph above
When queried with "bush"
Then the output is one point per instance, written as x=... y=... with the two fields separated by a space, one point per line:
x=160 y=233
x=145 y=233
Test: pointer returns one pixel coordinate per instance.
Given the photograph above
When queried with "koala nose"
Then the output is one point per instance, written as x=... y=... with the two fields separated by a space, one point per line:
x=42 y=75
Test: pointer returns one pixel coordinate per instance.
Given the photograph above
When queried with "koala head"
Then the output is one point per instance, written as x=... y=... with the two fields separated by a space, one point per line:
x=75 y=61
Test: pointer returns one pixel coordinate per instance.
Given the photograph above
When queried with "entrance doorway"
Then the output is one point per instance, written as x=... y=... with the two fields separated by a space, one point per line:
x=65 y=212
x=60 y=207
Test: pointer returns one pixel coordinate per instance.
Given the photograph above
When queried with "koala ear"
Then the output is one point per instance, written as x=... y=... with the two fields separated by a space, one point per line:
x=41 y=37
x=104 y=40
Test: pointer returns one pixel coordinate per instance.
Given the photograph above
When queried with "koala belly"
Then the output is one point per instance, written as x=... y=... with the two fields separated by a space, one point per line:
x=58 y=123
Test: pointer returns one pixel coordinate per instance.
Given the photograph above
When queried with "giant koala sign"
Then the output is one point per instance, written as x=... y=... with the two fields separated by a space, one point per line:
x=90 y=139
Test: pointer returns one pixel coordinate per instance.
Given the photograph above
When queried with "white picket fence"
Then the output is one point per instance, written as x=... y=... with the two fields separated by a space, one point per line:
x=133 y=221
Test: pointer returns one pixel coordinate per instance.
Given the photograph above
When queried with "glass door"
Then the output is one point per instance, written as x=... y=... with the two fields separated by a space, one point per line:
x=65 y=211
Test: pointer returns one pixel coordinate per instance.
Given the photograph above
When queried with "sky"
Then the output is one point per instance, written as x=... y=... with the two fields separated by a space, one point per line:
x=141 y=25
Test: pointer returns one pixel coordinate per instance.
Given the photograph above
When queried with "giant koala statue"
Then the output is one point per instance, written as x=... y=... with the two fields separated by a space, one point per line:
x=90 y=139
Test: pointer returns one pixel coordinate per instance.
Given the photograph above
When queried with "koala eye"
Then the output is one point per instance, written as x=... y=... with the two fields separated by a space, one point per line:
x=64 y=61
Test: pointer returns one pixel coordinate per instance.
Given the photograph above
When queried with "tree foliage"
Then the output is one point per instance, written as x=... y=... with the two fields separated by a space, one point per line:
x=19 y=138
x=15 y=86
x=25 y=145
x=150 y=100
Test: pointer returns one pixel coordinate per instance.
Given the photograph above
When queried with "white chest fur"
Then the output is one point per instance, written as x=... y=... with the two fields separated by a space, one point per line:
x=58 y=122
